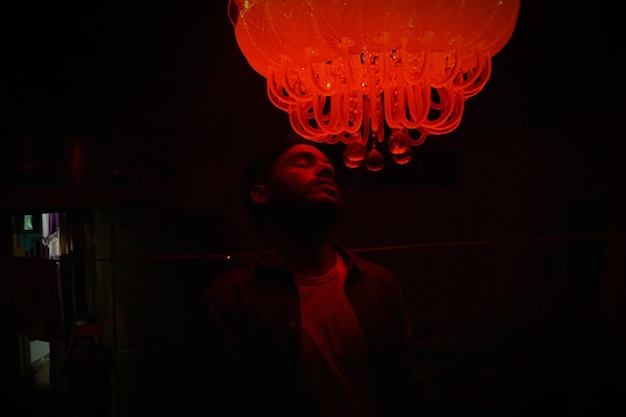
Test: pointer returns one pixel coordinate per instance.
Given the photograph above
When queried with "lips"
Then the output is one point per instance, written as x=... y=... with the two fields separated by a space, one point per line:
x=326 y=182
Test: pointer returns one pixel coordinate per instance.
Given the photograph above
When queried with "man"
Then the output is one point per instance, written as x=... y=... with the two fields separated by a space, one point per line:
x=305 y=328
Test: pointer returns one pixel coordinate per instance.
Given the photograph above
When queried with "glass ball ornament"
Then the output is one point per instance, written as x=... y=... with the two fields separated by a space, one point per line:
x=374 y=161
x=354 y=154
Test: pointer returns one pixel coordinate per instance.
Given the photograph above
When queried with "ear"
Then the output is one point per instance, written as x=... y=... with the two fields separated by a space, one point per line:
x=260 y=194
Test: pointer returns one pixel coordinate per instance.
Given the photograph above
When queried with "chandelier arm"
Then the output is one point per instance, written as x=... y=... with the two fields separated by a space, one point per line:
x=386 y=70
x=450 y=118
x=344 y=102
x=452 y=74
x=420 y=140
x=391 y=96
x=341 y=101
x=317 y=105
x=274 y=92
x=342 y=98
x=378 y=129
x=449 y=104
x=373 y=94
x=276 y=101
x=418 y=106
x=286 y=85
x=296 y=122
x=414 y=111
x=347 y=61
x=325 y=123
x=298 y=127
x=434 y=105
x=485 y=74
x=356 y=70
x=457 y=113
x=407 y=100
x=335 y=116
x=401 y=111
x=365 y=126
x=402 y=108
x=332 y=139
x=313 y=79
x=444 y=108
x=473 y=74
x=357 y=109
x=390 y=105
x=304 y=115
x=291 y=92
x=300 y=122
x=410 y=79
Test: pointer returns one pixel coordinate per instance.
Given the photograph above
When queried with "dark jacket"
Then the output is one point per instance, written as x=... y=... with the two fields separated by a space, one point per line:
x=253 y=329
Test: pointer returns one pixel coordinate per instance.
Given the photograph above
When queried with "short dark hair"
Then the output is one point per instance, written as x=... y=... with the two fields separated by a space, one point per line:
x=258 y=169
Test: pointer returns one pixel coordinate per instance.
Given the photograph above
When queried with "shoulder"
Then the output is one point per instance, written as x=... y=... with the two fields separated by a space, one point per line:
x=365 y=266
x=374 y=273
x=371 y=268
x=230 y=281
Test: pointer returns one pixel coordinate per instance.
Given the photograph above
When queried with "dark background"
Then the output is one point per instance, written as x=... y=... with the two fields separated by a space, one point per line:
x=507 y=234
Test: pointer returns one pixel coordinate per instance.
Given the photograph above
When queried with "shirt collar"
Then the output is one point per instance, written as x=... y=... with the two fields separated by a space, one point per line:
x=270 y=258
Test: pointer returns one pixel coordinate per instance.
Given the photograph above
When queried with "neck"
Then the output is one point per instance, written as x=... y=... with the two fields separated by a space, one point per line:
x=301 y=235
x=304 y=254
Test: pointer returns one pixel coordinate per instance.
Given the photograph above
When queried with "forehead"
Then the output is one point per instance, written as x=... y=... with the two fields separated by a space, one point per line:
x=300 y=150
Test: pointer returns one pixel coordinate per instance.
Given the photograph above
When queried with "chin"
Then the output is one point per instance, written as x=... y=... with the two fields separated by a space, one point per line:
x=326 y=200
x=324 y=203
x=323 y=213
x=317 y=214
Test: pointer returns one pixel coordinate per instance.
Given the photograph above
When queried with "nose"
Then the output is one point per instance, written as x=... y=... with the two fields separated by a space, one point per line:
x=326 y=169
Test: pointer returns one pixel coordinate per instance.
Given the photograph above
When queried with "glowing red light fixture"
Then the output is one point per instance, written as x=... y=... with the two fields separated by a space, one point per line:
x=373 y=72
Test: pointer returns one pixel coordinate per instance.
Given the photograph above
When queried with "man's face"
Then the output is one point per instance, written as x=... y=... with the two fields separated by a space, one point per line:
x=303 y=175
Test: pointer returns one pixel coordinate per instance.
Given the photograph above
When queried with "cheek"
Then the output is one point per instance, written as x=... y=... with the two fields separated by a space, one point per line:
x=293 y=184
x=289 y=187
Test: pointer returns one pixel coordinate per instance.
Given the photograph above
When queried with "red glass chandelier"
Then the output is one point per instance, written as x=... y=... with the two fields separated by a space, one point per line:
x=373 y=73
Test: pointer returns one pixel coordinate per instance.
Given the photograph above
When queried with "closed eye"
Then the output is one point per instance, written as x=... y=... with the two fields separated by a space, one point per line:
x=307 y=159
x=301 y=161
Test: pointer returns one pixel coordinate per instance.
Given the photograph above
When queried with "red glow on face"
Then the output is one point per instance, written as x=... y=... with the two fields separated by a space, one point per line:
x=304 y=173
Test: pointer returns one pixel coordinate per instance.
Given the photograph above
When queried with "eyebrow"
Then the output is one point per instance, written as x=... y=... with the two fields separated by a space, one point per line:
x=309 y=155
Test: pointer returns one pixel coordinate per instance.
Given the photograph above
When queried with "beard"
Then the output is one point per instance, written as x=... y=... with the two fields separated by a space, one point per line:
x=307 y=218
